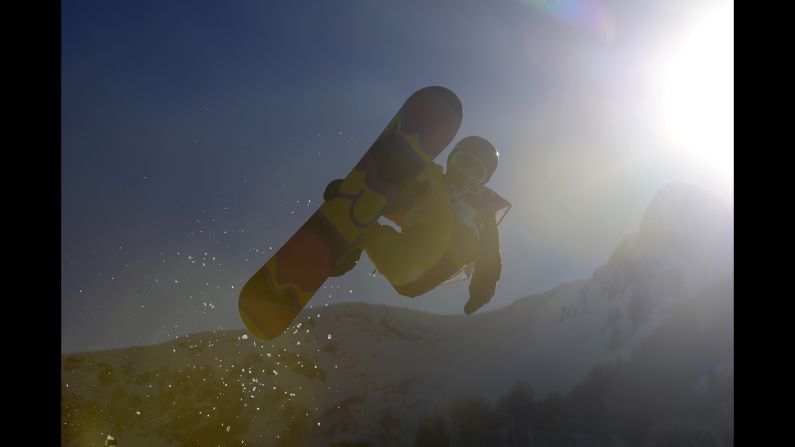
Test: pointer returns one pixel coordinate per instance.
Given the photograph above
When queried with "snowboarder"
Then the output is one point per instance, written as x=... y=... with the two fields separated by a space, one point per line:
x=423 y=126
x=447 y=221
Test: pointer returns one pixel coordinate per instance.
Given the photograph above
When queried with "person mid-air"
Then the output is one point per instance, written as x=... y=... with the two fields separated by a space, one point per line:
x=448 y=223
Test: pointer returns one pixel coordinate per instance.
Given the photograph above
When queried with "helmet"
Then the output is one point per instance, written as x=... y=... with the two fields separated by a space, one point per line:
x=474 y=158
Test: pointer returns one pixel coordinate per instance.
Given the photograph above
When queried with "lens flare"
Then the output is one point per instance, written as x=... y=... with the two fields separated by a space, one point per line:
x=695 y=95
x=590 y=15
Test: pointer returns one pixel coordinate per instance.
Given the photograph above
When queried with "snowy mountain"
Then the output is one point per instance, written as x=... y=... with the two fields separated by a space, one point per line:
x=353 y=372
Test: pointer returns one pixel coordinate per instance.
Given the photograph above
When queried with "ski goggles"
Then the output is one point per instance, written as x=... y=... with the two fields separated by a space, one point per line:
x=470 y=166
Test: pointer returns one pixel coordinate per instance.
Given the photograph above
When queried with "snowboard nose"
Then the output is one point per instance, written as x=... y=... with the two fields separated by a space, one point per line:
x=434 y=115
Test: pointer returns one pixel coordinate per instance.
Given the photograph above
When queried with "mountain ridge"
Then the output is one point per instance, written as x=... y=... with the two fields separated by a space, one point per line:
x=347 y=366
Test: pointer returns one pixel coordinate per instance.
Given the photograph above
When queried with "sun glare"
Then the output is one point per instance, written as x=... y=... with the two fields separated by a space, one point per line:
x=695 y=89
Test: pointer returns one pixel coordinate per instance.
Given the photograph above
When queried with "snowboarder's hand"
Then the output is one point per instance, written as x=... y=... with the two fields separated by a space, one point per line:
x=480 y=293
x=474 y=304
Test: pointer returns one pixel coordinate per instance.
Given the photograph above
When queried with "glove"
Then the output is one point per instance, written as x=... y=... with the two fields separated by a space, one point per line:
x=478 y=297
x=474 y=304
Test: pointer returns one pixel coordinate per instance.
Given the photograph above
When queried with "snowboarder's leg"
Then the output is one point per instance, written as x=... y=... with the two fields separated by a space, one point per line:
x=406 y=256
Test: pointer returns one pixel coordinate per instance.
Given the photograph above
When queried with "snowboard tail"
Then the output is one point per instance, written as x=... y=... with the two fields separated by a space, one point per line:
x=422 y=128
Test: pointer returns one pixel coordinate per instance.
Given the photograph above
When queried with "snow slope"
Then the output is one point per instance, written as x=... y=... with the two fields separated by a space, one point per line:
x=355 y=371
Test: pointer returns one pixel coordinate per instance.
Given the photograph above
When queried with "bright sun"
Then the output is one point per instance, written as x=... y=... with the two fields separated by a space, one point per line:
x=695 y=90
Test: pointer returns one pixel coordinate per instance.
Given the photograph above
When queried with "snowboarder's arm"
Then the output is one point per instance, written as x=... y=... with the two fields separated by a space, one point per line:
x=488 y=265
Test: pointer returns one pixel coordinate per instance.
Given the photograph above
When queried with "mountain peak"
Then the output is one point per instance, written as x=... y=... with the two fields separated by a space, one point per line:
x=681 y=209
x=683 y=224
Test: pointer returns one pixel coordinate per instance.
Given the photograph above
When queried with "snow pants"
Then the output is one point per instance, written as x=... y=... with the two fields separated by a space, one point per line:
x=409 y=255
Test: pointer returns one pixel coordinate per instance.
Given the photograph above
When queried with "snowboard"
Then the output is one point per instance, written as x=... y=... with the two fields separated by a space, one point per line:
x=277 y=292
